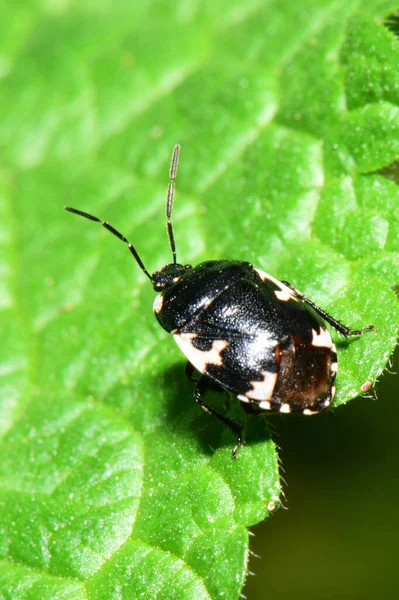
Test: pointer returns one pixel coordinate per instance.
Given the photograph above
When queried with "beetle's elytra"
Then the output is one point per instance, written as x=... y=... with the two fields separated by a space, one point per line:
x=242 y=329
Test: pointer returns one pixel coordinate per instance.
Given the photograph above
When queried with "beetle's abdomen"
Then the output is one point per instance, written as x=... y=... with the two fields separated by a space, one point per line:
x=293 y=376
x=306 y=376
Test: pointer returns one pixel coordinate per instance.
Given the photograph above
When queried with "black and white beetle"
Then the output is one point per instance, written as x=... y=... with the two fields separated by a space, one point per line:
x=243 y=330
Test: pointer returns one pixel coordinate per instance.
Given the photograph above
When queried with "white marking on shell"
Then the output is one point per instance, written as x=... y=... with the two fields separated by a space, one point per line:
x=200 y=359
x=271 y=505
x=322 y=339
x=285 y=408
x=263 y=390
x=334 y=367
x=333 y=389
x=307 y=411
x=158 y=304
x=283 y=296
x=285 y=293
x=265 y=405
x=334 y=348
x=242 y=398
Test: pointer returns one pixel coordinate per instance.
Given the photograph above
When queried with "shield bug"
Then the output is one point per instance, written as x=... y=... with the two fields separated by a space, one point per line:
x=252 y=335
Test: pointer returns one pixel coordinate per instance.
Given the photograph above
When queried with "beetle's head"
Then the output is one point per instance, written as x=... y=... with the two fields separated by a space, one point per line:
x=168 y=275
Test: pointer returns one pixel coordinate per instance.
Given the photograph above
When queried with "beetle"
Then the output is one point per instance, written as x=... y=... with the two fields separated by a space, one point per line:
x=252 y=335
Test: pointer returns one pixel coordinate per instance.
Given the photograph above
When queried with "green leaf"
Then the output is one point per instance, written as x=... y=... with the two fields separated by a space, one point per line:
x=370 y=56
x=114 y=483
x=372 y=135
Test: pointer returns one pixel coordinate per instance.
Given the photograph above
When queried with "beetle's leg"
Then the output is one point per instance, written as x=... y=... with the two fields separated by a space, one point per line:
x=189 y=372
x=340 y=327
x=226 y=402
x=200 y=389
x=252 y=408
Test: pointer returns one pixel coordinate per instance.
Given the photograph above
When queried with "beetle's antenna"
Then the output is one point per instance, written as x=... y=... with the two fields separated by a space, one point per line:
x=169 y=199
x=115 y=232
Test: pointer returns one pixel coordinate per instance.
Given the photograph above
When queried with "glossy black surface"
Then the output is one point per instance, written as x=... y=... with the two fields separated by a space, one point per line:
x=229 y=301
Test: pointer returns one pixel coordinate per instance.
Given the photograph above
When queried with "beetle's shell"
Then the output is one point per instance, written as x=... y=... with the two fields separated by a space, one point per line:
x=252 y=335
